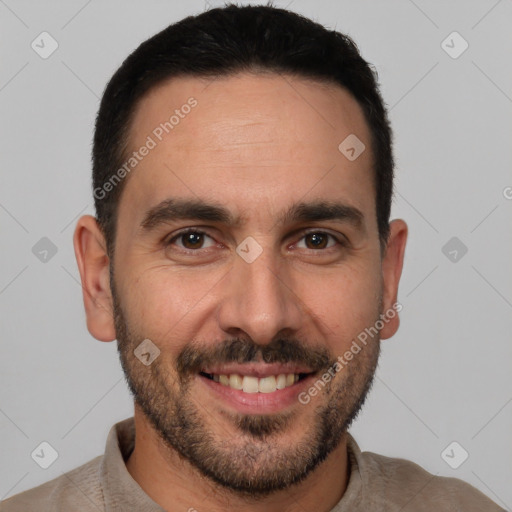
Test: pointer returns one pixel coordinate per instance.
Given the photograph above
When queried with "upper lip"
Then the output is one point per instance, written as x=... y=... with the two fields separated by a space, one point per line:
x=256 y=369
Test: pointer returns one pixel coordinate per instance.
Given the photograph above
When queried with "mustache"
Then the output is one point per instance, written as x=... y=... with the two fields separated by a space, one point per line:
x=194 y=357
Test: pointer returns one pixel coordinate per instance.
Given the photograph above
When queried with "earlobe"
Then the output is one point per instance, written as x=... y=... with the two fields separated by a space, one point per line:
x=94 y=264
x=392 y=264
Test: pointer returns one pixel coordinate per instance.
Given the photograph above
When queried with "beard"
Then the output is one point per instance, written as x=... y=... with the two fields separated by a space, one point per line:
x=259 y=459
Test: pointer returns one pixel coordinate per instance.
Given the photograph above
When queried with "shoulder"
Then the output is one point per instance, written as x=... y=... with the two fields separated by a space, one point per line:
x=78 y=489
x=403 y=483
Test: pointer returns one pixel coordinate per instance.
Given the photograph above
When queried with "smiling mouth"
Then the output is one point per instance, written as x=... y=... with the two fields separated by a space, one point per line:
x=254 y=384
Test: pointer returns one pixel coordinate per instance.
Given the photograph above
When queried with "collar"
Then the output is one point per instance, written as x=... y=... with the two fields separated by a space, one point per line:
x=120 y=491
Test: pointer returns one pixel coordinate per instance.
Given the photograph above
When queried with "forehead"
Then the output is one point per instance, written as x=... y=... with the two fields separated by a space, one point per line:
x=248 y=139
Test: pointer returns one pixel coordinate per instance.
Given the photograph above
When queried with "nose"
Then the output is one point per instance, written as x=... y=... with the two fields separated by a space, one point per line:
x=258 y=300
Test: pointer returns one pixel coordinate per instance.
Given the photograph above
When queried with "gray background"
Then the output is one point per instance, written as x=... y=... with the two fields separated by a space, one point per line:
x=444 y=377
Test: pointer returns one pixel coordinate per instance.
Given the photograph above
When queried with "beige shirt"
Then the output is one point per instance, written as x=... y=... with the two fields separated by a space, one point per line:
x=376 y=483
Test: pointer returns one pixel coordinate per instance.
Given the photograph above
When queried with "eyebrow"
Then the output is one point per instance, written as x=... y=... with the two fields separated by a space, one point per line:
x=174 y=209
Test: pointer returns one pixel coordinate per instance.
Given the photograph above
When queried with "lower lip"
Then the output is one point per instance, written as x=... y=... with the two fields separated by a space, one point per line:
x=258 y=403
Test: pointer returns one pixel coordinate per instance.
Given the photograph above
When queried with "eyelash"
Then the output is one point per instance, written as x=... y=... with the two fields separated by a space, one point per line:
x=339 y=242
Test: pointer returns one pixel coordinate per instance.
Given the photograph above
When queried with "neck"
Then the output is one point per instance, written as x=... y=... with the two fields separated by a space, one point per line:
x=175 y=484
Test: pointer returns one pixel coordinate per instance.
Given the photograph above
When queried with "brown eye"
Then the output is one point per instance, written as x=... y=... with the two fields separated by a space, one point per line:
x=318 y=240
x=191 y=240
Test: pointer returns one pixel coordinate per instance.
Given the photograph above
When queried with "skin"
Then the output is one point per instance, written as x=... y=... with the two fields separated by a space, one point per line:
x=255 y=144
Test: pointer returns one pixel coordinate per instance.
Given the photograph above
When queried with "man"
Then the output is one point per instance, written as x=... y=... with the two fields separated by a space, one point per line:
x=243 y=257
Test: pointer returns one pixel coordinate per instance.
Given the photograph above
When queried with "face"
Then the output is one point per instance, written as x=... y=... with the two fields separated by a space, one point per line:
x=247 y=252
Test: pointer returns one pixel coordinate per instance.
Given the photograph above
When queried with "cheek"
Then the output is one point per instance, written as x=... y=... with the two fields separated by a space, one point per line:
x=162 y=303
x=345 y=303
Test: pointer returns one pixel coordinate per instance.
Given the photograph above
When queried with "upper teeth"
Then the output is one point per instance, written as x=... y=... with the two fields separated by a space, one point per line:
x=250 y=384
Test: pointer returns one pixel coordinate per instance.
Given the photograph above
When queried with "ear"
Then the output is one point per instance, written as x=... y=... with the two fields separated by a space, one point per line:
x=392 y=263
x=93 y=264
